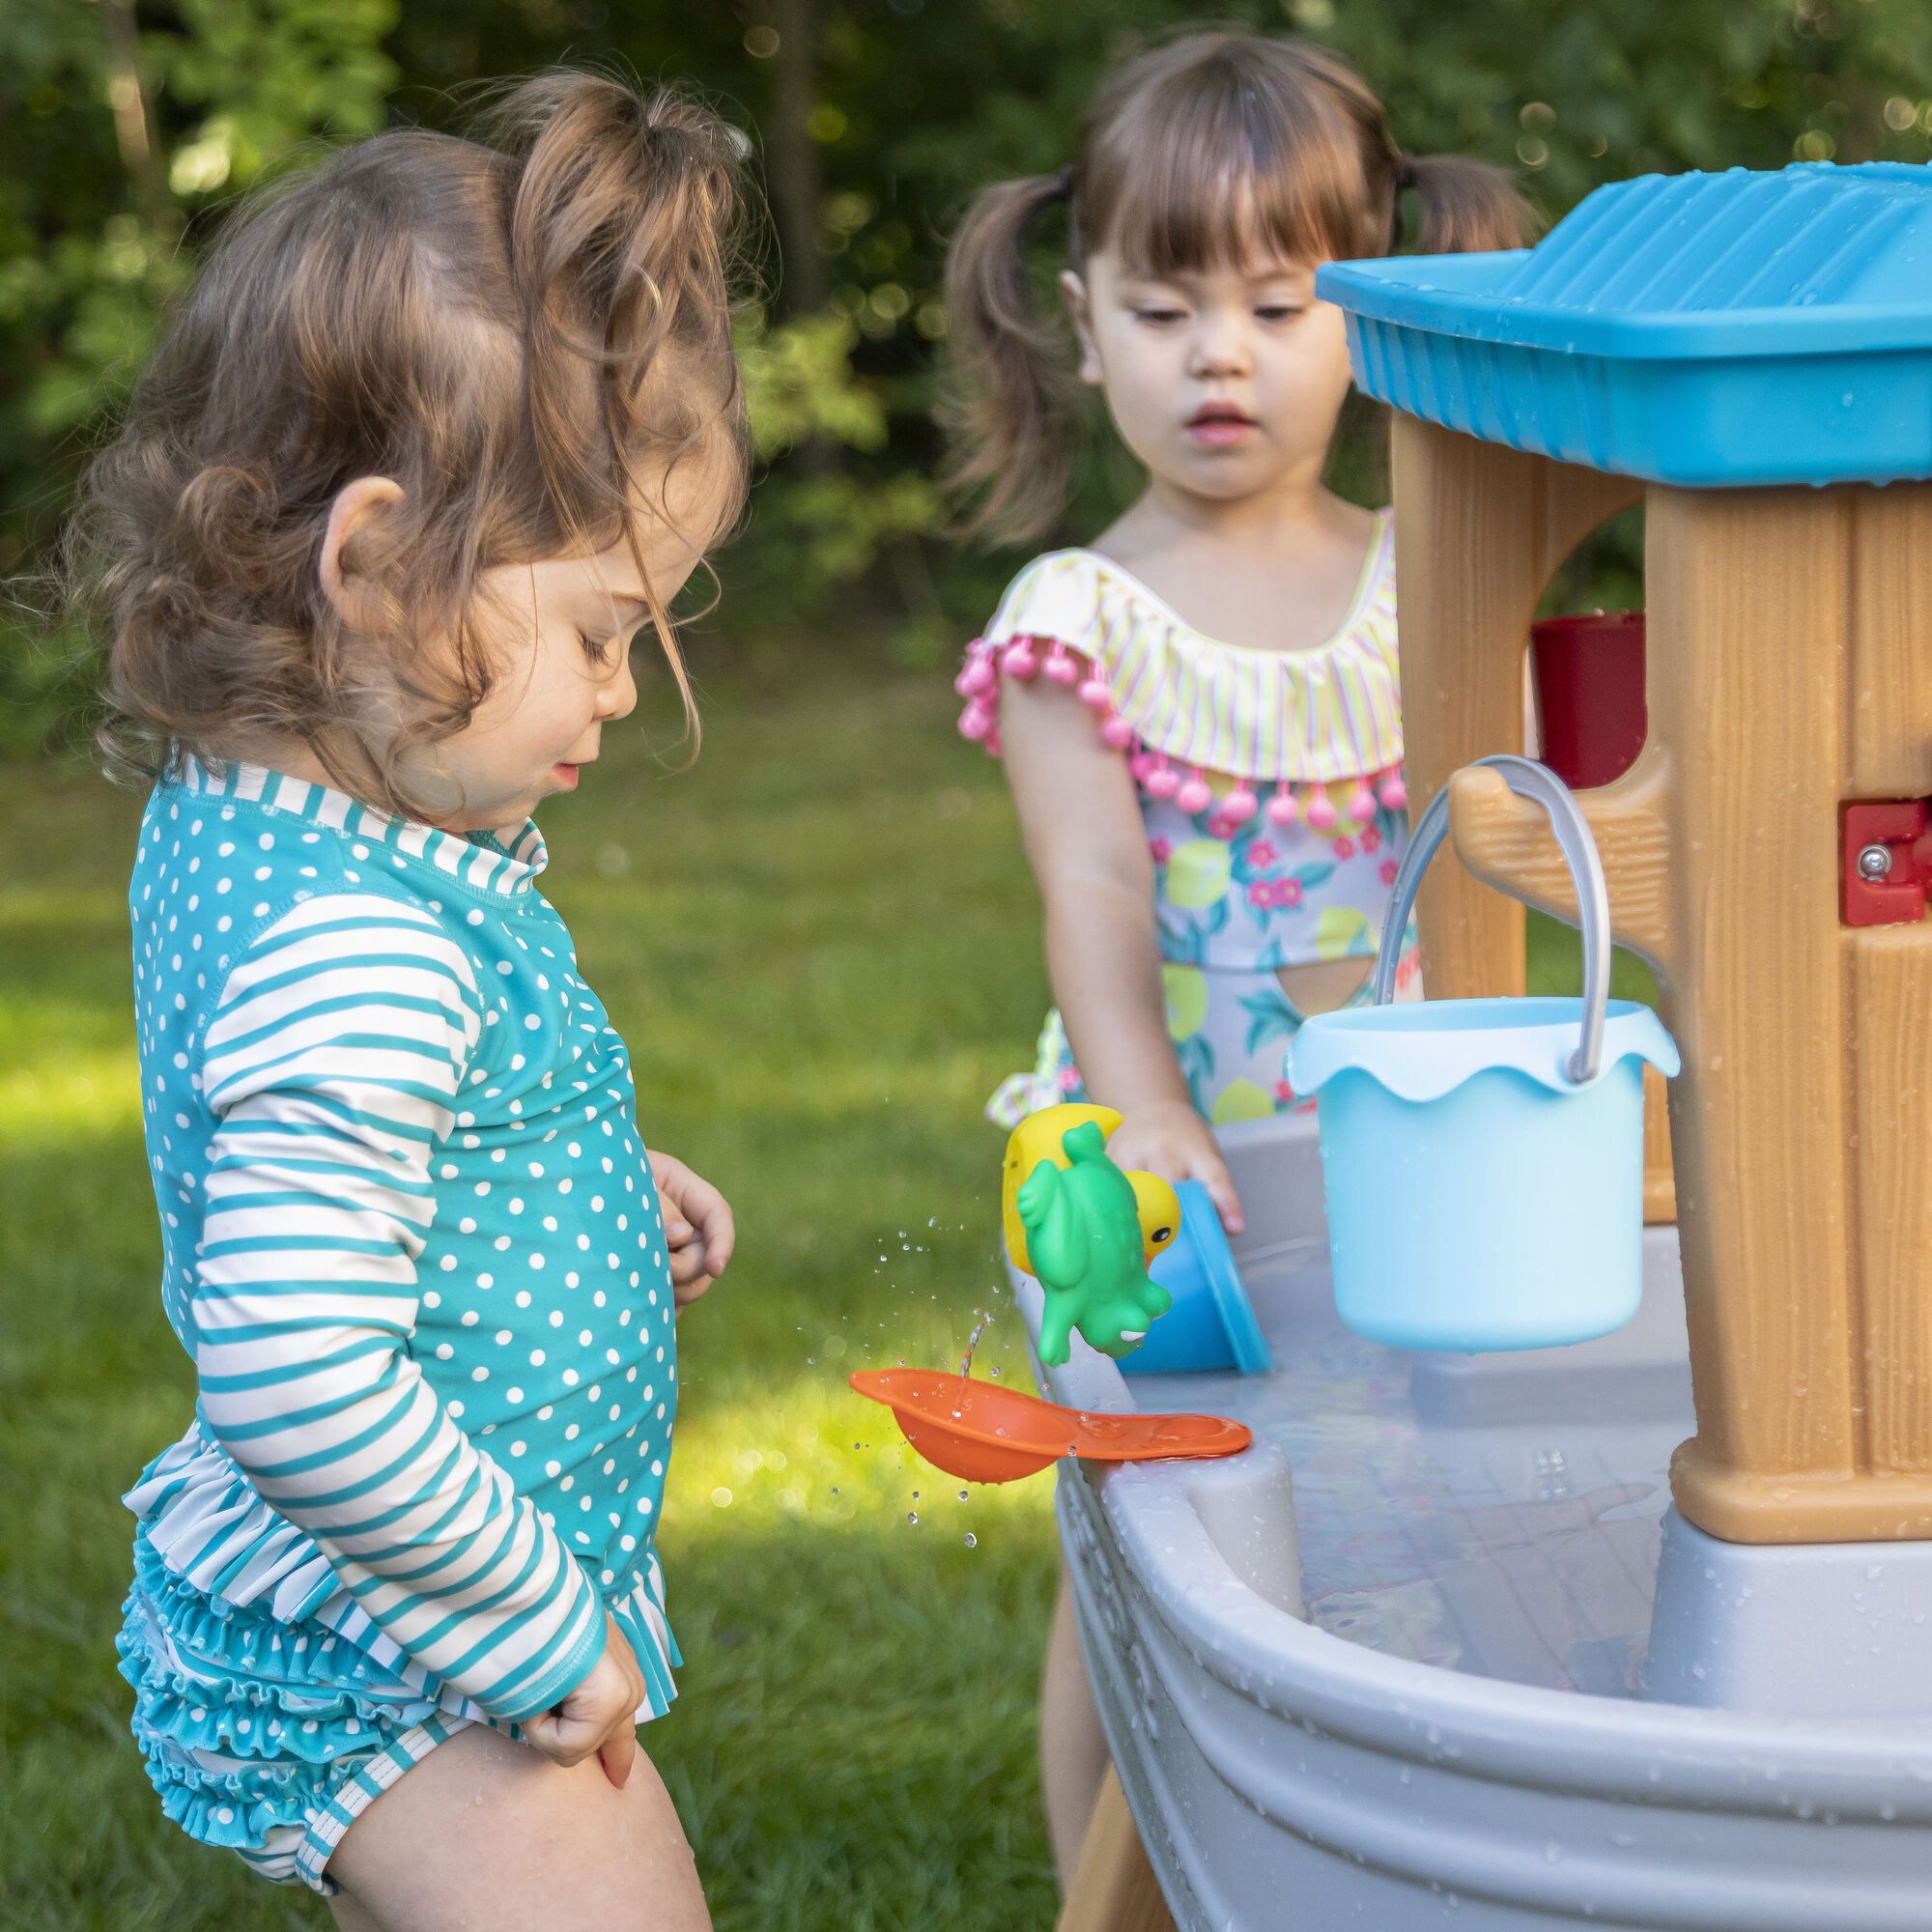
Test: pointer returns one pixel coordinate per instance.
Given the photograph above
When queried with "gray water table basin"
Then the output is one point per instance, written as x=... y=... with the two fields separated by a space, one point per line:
x=1386 y=1670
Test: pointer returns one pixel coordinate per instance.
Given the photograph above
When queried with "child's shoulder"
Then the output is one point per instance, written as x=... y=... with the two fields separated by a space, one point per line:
x=1054 y=596
x=1076 y=596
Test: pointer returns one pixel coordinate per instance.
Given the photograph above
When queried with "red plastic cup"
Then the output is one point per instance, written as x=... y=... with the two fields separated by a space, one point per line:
x=1589 y=695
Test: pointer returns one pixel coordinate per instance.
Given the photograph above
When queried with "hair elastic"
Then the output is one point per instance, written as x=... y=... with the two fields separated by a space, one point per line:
x=1404 y=170
x=1062 y=183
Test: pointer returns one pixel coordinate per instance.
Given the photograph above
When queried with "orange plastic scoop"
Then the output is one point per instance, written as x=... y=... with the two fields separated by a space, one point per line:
x=988 y=1434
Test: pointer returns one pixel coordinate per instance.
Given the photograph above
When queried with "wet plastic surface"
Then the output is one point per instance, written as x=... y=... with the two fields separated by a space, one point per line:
x=1522 y=1546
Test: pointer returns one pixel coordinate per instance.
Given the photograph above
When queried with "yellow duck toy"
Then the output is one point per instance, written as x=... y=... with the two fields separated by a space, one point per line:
x=1040 y=1137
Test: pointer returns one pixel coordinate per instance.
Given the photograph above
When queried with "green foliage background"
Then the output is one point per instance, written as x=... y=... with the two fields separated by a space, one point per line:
x=127 y=128
x=853 y=1748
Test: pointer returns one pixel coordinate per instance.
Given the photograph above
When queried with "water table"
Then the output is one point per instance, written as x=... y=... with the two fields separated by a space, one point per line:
x=1634 y=1633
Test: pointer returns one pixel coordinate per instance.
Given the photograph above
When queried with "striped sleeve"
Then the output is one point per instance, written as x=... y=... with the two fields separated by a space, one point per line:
x=333 y=1065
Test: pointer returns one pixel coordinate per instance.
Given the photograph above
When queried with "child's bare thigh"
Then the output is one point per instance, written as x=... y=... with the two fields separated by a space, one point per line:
x=486 y=1834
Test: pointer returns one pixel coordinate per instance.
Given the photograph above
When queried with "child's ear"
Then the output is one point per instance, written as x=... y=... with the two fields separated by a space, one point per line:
x=1079 y=312
x=360 y=508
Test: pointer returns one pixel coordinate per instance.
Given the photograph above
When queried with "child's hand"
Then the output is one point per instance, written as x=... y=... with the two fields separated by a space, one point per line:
x=1170 y=1138
x=699 y=1229
x=600 y=1717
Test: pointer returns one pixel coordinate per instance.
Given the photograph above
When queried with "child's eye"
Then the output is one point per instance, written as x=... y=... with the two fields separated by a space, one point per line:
x=1159 y=318
x=596 y=649
x=1278 y=311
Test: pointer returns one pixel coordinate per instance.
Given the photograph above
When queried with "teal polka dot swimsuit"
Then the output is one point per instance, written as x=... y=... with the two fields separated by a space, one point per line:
x=411 y=1244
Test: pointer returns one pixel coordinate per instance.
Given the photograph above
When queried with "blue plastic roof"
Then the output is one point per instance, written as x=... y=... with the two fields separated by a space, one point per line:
x=1709 y=330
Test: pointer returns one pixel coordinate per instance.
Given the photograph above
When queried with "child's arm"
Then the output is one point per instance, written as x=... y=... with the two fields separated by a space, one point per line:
x=334 y=1060
x=1084 y=836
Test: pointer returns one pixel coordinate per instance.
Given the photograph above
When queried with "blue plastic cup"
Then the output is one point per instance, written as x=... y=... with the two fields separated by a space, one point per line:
x=1211 y=1325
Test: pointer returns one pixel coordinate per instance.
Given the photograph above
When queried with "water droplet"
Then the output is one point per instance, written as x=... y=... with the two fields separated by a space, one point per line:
x=912 y=1515
x=962 y=1495
x=972 y=1540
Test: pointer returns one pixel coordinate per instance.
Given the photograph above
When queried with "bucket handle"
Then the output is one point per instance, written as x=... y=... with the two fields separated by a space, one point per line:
x=1539 y=783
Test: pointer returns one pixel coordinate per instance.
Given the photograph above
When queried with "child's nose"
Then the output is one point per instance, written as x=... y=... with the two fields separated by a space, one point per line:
x=1222 y=345
x=617 y=695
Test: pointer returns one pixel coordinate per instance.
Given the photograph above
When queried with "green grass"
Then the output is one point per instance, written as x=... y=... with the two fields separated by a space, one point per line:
x=821 y=944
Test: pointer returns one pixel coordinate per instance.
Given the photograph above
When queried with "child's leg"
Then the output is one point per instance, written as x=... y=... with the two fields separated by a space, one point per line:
x=484 y=1834
x=1072 y=1746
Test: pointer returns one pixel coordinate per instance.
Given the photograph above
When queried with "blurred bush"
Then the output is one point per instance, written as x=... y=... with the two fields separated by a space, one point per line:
x=128 y=126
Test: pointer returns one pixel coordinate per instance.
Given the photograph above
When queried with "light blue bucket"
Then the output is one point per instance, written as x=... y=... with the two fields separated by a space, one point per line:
x=1483 y=1159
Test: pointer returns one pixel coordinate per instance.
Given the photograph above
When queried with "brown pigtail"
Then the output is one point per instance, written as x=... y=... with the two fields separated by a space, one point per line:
x=1465 y=205
x=1010 y=417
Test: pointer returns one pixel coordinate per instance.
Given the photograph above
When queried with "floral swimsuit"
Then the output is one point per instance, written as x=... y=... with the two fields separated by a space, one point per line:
x=1270 y=790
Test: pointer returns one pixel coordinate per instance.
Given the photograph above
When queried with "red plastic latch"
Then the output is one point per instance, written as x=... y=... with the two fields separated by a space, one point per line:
x=1886 y=862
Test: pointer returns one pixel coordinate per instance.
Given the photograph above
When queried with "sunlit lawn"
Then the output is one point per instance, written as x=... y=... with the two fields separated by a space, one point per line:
x=821 y=944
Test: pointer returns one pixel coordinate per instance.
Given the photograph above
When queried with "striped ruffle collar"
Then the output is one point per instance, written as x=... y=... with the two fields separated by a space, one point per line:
x=479 y=860
x=1165 y=692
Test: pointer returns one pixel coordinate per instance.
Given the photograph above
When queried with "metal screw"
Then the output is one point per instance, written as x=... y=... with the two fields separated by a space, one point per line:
x=1875 y=863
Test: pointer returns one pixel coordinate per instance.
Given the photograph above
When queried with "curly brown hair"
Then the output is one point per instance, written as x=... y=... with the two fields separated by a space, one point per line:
x=479 y=319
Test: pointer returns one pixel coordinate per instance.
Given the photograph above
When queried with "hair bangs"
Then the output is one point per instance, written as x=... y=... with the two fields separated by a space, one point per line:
x=1222 y=167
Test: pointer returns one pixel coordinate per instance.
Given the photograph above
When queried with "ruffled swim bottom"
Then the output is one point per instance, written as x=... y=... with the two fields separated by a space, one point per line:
x=261 y=1737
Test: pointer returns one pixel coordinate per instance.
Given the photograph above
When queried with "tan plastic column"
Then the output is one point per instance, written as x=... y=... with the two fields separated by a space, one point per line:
x=1479 y=531
x=1789 y=631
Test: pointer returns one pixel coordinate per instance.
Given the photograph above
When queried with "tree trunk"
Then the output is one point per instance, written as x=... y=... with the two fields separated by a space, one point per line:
x=794 y=158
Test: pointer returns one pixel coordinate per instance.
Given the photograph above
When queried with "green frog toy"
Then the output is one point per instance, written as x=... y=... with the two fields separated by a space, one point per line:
x=1091 y=1233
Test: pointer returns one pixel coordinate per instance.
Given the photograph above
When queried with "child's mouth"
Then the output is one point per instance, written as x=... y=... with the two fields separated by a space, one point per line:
x=1220 y=425
x=565 y=777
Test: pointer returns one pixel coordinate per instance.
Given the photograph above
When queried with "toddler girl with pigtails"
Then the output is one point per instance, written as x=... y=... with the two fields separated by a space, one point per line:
x=441 y=426
x=1198 y=709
